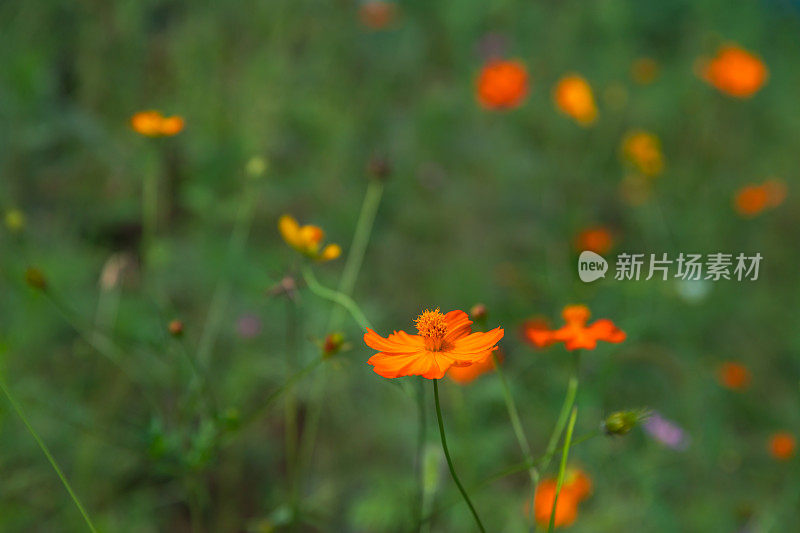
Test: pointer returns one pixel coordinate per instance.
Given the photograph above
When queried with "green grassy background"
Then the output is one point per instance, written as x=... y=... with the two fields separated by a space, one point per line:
x=480 y=206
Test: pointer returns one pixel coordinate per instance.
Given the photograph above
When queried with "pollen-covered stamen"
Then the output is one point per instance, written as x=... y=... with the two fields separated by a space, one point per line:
x=432 y=327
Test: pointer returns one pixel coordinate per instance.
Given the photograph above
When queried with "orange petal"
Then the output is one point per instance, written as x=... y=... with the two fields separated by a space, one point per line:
x=330 y=252
x=605 y=330
x=576 y=314
x=289 y=230
x=458 y=325
x=398 y=342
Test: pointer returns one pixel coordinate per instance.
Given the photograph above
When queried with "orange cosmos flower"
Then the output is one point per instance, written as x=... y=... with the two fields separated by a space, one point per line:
x=307 y=239
x=596 y=239
x=782 y=445
x=502 y=84
x=574 y=96
x=736 y=72
x=753 y=199
x=734 y=376
x=576 y=487
x=464 y=375
x=576 y=334
x=566 y=508
x=376 y=14
x=443 y=341
x=154 y=124
x=643 y=150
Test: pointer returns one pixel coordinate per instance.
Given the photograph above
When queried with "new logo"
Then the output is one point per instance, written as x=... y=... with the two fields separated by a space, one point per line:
x=591 y=266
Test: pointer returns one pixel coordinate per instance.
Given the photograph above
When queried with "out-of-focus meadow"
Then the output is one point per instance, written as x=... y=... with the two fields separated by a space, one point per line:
x=162 y=340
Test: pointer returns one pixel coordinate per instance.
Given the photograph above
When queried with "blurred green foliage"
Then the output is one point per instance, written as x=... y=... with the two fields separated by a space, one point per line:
x=480 y=207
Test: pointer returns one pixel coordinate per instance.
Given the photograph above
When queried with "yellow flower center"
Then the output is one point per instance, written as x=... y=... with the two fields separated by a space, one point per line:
x=432 y=327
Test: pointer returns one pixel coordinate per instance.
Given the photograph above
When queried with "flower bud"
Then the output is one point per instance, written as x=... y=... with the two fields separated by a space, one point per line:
x=175 y=328
x=622 y=422
x=35 y=278
x=332 y=345
x=379 y=168
x=478 y=313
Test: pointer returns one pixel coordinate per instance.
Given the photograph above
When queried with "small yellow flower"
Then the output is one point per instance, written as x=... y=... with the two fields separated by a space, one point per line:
x=307 y=239
x=15 y=220
x=154 y=124
x=573 y=96
x=643 y=150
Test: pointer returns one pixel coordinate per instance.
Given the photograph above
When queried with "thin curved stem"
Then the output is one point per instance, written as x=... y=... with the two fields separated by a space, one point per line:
x=563 y=467
x=335 y=296
x=569 y=401
x=355 y=257
x=449 y=460
x=510 y=471
x=519 y=432
x=48 y=455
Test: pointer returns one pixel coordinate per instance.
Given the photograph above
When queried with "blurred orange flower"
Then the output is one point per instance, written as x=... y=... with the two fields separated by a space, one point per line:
x=643 y=150
x=751 y=200
x=502 y=84
x=464 y=375
x=782 y=445
x=154 y=124
x=566 y=507
x=576 y=487
x=644 y=70
x=734 y=376
x=575 y=334
x=596 y=239
x=444 y=340
x=574 y=96
x=736 y=72
x=377 y=14
x=307 y=239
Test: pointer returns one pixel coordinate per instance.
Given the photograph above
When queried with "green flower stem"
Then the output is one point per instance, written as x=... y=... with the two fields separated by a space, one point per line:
x=48 y=455
x=509 y=471
x=449 y=460
x=335 y=296
x=569 y=401
x=355 y=256
x=563 y=467
x=519 y=432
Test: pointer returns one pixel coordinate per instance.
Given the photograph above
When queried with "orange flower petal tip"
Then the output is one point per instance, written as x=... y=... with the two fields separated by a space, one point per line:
x=782 y=445
x=734 y=376
x=736 y=72
x=502 y=84
x=573 y=96
x=443 y=341
x=575 y=334
x=152 y=123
